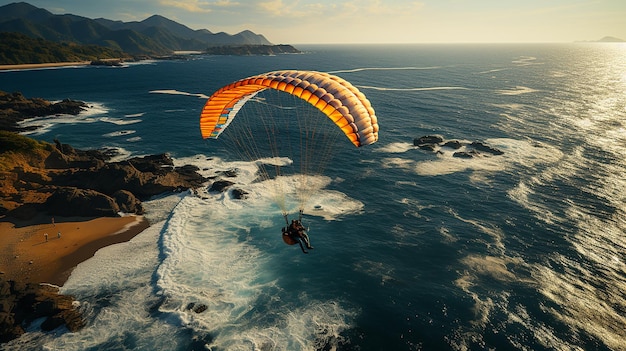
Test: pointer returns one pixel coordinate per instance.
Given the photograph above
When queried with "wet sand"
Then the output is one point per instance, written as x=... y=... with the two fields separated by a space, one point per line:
x=27 y=256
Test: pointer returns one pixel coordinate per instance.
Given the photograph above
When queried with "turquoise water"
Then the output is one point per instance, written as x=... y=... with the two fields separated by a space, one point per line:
x=413 y=249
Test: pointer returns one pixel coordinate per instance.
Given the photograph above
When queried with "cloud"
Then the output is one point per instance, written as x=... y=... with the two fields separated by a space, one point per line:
x=280 y=8
x=226 y=3
x=189 y=5
x=404 y=8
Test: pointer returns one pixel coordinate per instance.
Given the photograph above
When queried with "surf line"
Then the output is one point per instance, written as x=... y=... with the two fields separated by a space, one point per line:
x=382 y=69
x=411 y=89
x=178 y=92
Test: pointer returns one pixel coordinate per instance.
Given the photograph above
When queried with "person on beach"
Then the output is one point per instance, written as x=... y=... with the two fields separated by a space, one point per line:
x=45 y=235
x=59 y=235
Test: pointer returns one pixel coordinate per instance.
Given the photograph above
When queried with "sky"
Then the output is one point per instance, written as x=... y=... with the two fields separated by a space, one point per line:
x=374 y=21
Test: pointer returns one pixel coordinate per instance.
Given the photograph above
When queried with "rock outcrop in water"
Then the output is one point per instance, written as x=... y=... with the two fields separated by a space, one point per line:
x=15 y=107
x=469 y=149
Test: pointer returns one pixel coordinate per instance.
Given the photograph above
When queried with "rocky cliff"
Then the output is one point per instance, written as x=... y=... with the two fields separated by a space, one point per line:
x=40 y=177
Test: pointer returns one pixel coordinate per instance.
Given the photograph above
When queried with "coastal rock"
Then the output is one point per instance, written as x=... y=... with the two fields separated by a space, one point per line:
x=479 y=146
x=58 y=179
x=465 y=154
x=127 y=202
x=66 y=201
x=15 y=107
x=231 y=173
x=428 y=139
x=239 y=194
x=198 y=308
x=427 y=147
x=21 y=304
x=465 y=149
x=453 y=144
x=113 y=186
x=220 y=185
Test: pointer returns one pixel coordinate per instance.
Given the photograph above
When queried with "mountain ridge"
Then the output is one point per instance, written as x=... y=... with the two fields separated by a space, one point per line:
x=155 y=35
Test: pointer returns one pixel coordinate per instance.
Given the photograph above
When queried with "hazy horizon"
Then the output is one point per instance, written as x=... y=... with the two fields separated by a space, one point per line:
x=374 y=21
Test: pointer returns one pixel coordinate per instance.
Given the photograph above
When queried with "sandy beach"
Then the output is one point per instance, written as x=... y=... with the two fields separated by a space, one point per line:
x=43 y=65
x=47 y=253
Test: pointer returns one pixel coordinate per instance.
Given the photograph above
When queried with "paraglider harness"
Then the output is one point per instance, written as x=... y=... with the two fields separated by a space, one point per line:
x=294 y=233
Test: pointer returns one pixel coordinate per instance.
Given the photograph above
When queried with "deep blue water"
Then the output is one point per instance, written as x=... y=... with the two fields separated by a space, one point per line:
x=413 y=249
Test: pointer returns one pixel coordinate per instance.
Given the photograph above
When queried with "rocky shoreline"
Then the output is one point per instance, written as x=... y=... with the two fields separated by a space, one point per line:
x=15 y=107
x=38 y=178
x=22 y=304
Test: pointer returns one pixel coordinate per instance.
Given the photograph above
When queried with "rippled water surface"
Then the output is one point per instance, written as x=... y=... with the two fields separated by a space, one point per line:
x=414 y=249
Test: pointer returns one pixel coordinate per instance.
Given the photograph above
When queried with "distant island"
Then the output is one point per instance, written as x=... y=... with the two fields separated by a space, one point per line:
x=32 y=35
x=607 y=39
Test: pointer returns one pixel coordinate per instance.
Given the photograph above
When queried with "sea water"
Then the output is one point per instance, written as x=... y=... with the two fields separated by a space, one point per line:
x=414 y=249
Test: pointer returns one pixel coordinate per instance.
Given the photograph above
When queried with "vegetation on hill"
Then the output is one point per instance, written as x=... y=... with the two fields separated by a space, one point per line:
x=155 y=35
x=14 y=142
x=20 y=151
x=16 y=48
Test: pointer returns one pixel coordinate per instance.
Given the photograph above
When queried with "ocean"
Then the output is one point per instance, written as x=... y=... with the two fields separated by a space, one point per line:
x=414 y=249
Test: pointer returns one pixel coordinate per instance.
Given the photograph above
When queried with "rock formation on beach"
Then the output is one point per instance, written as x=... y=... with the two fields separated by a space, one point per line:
x=22 y=304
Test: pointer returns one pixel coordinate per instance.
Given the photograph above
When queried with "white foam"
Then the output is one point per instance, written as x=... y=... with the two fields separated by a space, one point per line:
x=522 y=152
x=222 y=253
x=119 y=121
x=518 y=90
x=120 y=275
x=46 y=123
x=119 y=133
x=178 y=92
x=120 y=154
x=396 y=148
x=412 y=68
x=525 y=61
x=411 y=89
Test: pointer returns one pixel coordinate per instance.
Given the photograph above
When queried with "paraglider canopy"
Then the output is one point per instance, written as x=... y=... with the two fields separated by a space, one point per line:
x=289 y=112
x=343 y=103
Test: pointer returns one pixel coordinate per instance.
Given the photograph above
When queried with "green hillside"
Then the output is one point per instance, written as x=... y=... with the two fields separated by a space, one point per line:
x=16 y=48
